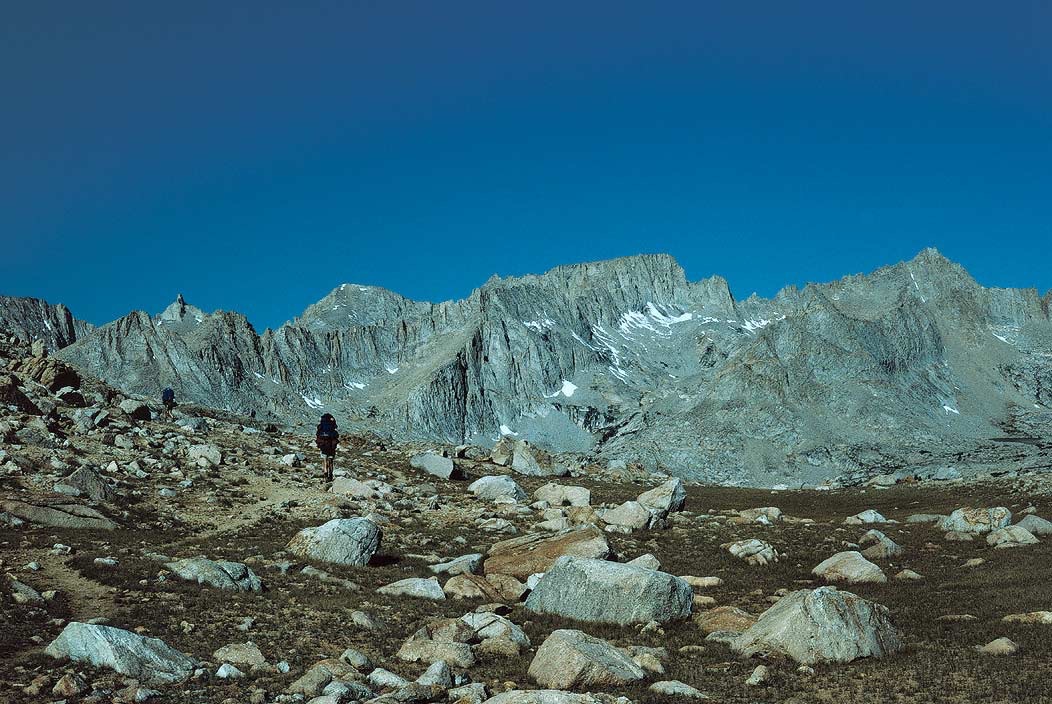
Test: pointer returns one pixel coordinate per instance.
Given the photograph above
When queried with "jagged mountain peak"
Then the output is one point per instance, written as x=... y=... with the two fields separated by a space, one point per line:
x=624 y=358
x=353 y=305
x=36 y=319
x=179 y=311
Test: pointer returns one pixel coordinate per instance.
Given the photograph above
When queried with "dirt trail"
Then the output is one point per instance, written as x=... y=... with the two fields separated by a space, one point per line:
x=87 y=598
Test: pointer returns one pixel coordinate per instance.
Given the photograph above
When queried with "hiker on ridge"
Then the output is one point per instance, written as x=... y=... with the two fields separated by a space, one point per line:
x=168 y=401
x=327 y=438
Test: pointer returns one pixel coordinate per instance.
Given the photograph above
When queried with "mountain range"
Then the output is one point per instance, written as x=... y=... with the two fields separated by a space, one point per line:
x=913 y=368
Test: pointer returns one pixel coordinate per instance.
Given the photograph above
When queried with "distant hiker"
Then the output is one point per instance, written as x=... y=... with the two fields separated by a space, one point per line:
x=327 y=439
x=168 y=400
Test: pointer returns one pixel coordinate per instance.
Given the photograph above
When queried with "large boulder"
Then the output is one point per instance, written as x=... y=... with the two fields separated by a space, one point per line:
x=1035 y=525
x=232 y=576
x=150 y=660
x=489 y=625
x=465 y=564
x=49 y=372
x=976 y=520
x=415 y=587
x=206 y=455
x=529 y=554
x=850 y=567
x=664 y=499
x=1011 y=537
x=630 y=515
x=561 y=495
x=434 y=464
x=752 y=551
x=136 y=410
x=821 y=625
x=526 y=460
x=495 y=488
x=343 y=541
x=598 y=591
x=878 y=546
x=87 y=482
x=569 y=659
x=867 y=516
x=59 y=515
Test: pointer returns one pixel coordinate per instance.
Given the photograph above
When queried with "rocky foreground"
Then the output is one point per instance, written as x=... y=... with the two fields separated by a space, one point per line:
x=203 y=560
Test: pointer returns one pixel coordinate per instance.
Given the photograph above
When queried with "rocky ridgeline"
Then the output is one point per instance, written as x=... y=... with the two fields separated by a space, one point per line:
x=909 y=370
x=203 y=560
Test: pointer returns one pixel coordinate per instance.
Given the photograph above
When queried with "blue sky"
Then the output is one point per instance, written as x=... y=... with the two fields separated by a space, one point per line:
x=253 y=156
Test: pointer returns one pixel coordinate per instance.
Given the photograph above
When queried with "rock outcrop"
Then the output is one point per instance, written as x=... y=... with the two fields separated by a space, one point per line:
x=598 y=591
x=343 y=541
x=148 y=659
x=821 y=626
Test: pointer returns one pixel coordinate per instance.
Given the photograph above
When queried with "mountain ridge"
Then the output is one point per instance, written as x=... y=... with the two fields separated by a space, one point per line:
x=914 y=362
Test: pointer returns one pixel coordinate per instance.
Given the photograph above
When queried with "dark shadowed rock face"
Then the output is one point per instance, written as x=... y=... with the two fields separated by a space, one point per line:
x=33 y=319
x=908 y=366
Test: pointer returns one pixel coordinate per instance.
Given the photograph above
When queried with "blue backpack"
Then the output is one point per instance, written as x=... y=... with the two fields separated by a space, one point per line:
x=327 y=427
x=168 y=395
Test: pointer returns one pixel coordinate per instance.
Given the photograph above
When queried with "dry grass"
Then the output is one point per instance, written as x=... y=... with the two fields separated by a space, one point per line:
x=302 y=621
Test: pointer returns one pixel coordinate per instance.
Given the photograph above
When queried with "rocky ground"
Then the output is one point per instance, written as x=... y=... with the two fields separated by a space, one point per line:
x=203 y=559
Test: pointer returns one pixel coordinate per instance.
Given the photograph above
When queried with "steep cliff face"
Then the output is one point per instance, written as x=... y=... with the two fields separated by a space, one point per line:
x=911 y=364
x=33 y=319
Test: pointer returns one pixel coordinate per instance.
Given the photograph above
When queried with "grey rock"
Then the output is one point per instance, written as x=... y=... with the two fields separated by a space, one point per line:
x=209 y=455
x=976 y=520
x=631 y=515
x=1011 y=537
x=570 y=659
x=821 y=625
x=343 y=541
x=849 y=567
x=416 y=587
x=562 y=495
x=752 y=551
x=136 y=410
x=231 y=576
x=58 y=515
x=434 y=464
x=666 y=498
x=89 y=483
x=497 y=487
x=1035 y=525
x=867 y=516
x=150 y=660
x=465 y=564
x=879 y=546
x=675 y=688
x=598 y=591
x=438 y=674
x=490 y=625
x=647 y=561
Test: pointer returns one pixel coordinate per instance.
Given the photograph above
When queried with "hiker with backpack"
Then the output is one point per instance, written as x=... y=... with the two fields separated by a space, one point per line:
x=168 y=401
x=327 y=439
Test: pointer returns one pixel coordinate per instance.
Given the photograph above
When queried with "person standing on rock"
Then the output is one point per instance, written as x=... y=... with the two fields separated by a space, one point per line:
x=168 y=401
x=327 y=438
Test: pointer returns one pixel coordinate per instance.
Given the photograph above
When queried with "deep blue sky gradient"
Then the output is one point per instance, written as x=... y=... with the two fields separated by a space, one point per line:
x=256 y=155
